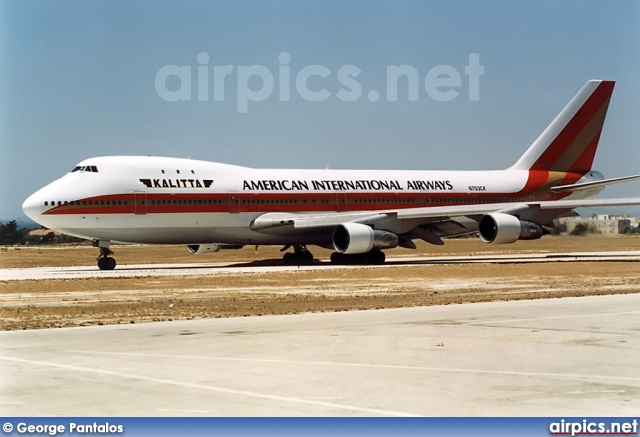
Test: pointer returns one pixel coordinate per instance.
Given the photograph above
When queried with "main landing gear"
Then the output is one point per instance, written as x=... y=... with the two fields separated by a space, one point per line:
x=105 y=262
x=300 y=255
x=375 y=256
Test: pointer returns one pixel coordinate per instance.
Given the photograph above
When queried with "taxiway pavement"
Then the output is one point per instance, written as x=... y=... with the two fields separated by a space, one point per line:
x=142 y=270
x=553 y=357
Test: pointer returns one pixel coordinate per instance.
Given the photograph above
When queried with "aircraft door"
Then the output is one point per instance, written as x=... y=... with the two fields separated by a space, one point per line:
x=425 y=200
x=234 y=202
x=341 y=202
x=140 y=202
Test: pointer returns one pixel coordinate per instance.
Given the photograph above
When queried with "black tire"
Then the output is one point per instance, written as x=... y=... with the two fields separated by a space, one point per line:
x=107 y=263
x=377 y=257
x=337 y=258
x=307 y=257
x=289 y=258
x=373 y=257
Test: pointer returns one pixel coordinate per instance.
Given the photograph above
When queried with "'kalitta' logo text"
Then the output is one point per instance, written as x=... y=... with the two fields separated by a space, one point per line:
x=177 y=183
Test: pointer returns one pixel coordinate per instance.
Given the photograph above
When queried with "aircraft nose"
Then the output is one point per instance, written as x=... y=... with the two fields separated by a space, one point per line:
x=32 y=207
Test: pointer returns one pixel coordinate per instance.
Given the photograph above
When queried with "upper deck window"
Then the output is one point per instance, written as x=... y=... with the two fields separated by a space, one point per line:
x=89 y=168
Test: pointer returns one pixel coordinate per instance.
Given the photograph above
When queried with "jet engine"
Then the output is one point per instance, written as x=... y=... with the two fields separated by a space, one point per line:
x=199 y=249
x=350 y=238
x=503 y=228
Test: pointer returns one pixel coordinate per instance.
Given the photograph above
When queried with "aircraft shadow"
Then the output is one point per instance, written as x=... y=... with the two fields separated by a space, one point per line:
x=278 y=262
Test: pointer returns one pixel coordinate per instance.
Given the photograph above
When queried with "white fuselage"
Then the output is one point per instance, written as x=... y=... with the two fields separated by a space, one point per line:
x=179 y=201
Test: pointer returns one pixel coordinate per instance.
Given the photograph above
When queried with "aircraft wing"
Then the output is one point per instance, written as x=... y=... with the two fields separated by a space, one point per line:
x=272 y=221
x=438 y=211
x=427 y=223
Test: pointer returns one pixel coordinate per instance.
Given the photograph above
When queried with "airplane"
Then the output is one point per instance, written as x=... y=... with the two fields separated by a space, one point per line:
x=211 y=206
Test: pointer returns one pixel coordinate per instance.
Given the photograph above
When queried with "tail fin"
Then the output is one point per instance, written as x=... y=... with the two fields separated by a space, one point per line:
x=569 y=143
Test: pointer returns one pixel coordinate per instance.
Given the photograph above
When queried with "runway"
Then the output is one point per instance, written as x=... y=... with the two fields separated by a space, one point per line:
x=550 y=357
x=259 y=266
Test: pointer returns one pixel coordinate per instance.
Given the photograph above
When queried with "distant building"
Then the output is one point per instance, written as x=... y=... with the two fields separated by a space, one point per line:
x=607 y=224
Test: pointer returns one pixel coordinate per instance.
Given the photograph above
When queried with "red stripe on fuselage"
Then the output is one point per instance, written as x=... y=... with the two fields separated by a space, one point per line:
x=303 y=202
x=539 y=182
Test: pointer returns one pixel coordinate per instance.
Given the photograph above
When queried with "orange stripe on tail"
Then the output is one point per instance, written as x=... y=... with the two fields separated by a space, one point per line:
x=569 y=143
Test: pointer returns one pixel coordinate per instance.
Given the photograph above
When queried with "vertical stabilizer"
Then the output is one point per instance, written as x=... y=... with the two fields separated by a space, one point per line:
x=569 y=143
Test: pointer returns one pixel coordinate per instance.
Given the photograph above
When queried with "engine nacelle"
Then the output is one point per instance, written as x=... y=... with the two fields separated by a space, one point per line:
x=352 y=238
x=500 y=228
x=199 y=249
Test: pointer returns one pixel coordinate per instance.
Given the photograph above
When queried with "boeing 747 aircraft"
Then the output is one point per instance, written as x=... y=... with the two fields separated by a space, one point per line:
x=211 y=206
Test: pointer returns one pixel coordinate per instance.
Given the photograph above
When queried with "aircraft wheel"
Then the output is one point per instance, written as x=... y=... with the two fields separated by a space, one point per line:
x=288 y=258
x=373 y=257
x=377 y=257
x=307 y=257
x=336 y=258
x=106 y=263
x=298 y=258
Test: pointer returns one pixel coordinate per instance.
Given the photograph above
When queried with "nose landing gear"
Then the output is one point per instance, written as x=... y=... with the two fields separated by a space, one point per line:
x=105 y=262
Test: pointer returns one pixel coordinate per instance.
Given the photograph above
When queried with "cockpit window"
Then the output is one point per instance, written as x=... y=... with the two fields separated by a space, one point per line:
x=89 y=168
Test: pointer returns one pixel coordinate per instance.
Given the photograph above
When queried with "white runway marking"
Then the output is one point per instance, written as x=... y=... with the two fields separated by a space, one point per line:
x=211 y=388
x=535 y=319
x=156 y=270
x=364 y=365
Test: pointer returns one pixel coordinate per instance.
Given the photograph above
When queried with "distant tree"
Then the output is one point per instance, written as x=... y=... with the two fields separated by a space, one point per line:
x=63 y=238
x=632 y=230
x=559 y=228
x=10 y=234
x=580 y=230
x=50 y=237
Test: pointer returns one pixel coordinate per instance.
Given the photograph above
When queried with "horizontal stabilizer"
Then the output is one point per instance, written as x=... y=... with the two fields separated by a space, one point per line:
x=591 y=185
x=589 y=203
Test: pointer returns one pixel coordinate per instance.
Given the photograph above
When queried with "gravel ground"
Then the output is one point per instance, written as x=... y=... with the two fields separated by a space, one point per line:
x=97 y=301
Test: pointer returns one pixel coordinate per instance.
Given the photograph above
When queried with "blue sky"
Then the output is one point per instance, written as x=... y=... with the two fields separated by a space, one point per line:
x=77 y=79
